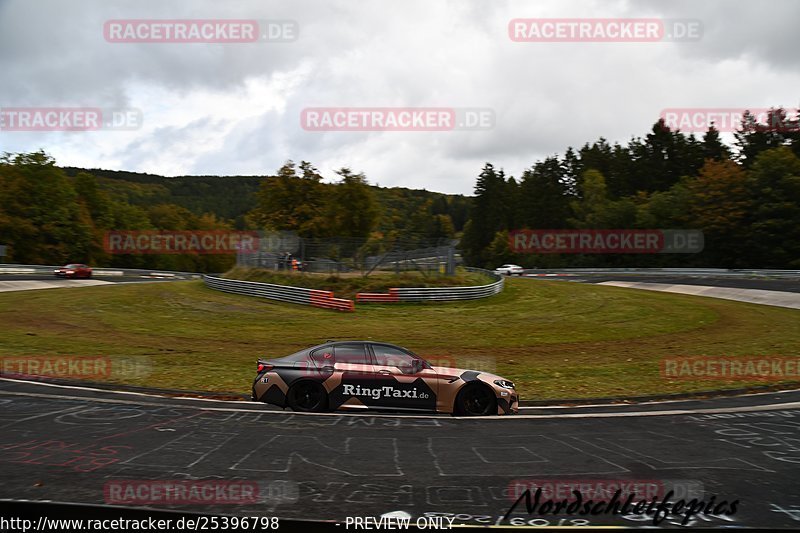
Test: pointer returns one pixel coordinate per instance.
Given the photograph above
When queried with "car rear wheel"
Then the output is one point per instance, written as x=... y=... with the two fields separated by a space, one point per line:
x=308 y=397
x=475 y=400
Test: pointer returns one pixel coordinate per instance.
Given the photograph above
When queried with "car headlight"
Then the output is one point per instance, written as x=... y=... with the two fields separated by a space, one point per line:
x=70 y=271
x=504 y=383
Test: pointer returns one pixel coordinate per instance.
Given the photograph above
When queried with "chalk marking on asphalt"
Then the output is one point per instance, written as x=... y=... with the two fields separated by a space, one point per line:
x=749 y=409
x=111 y=391
x=61 y=412
x=151 y=426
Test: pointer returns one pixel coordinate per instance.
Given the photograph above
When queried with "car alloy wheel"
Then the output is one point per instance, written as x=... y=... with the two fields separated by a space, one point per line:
x=307 y=396
x=476 y=400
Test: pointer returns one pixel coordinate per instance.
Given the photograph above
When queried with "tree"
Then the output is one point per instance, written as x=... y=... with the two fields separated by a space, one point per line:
x=713 y=147
x=424 y=228
x=43 y=222
x=545 y=198
x=663 y=158
x=288 y=201
x=595 y=210
x=773 y=184
x=753 y=137
x=487 y=216
x=718 y=203
x=499 y=252
x=352 y=211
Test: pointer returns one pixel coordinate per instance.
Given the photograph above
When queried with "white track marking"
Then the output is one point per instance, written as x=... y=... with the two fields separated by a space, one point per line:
x=33 y=285
x=530 y=408
x=107 y=391
x=754 y=296
x=674 y=412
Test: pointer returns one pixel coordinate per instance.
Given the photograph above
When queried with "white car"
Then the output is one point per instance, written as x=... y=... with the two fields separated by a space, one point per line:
x=509 y=270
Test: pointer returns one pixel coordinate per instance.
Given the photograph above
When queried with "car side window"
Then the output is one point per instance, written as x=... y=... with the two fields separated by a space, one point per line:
x=323 y=356
x=355 y=354
x=390 y=356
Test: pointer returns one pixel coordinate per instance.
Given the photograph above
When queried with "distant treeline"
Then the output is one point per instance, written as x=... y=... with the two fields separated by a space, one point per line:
x=53 y=215
x=745 y=198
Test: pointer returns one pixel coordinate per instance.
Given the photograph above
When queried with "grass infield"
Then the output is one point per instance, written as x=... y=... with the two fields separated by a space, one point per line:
x=554 y=339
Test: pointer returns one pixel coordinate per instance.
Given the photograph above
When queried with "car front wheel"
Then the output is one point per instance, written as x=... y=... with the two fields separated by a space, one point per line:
x=475 y=400
x=307 y=397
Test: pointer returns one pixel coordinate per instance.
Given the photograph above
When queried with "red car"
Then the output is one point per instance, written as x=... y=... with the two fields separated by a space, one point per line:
x=74 y=270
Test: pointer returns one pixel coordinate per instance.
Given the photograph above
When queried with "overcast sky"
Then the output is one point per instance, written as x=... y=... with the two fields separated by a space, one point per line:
x=234 y=108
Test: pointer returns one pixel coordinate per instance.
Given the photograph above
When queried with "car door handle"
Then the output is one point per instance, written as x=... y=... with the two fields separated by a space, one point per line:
x=385 y=372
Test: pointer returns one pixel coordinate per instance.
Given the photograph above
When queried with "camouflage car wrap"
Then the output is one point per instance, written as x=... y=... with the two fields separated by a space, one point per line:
x=370 y=385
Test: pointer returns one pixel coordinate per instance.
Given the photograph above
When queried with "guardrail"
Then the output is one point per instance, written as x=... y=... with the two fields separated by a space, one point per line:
x=326 y=300
x=672 y=271
x=104 y=272
x=441 y=294
x=280 y=293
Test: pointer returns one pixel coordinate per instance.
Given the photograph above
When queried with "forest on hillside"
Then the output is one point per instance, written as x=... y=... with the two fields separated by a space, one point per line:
x=745 y=198
x=54 y=215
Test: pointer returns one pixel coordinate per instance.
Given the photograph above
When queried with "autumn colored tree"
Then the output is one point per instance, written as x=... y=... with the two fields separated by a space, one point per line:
x=292 y=201
x=42 y=221
x=718 y=203
x=352 y=210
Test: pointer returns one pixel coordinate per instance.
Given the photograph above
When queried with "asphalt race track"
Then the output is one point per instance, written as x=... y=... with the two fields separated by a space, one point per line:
x=111 y=279
x=783 y=285
x=65 y=444
x=29 y=282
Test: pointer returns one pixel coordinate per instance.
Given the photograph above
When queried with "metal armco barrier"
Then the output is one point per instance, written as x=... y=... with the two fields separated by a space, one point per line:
x=326 y=300
x=280 y=293
x=439 y=294
x=378 y=297
x=722 y=272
